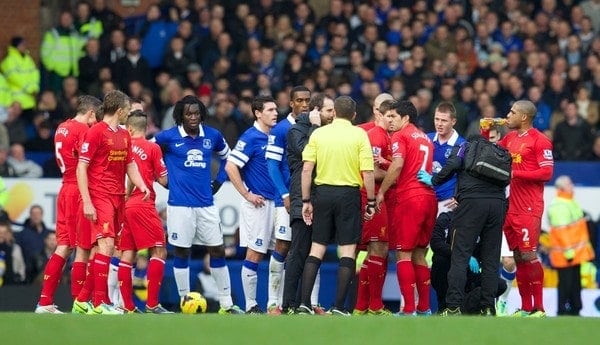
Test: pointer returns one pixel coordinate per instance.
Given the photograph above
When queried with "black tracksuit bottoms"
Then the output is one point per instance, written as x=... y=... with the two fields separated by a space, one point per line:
x=476 y=218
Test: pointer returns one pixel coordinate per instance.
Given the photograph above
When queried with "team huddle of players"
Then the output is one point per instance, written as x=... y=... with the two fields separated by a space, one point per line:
x=105 y=142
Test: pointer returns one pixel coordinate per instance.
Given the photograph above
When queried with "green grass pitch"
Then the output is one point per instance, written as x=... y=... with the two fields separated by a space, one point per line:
x=30 y=328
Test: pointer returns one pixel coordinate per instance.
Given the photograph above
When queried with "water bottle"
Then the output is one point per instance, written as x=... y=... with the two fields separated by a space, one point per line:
x=2 y=266
x=486 y=123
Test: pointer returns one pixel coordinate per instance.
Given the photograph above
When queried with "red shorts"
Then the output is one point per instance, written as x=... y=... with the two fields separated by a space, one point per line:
x=84 y=228
x=67 y=207
x=522 y=231
x=390 y=205
x=110 y=211
x=143 y=228
x=413 y=222
x=376 y=229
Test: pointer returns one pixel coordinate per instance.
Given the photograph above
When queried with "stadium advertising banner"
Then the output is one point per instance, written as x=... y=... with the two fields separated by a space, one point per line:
x=26 y=192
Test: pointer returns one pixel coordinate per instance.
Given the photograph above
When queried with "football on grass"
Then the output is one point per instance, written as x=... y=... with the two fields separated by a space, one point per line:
x=193 y=303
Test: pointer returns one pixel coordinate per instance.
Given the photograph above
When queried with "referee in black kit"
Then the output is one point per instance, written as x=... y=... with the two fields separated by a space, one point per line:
x=480 y=213
x=341 y=153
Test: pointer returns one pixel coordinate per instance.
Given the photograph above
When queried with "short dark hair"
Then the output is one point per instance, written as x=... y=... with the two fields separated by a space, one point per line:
x=404 y=108
x=258 y=104
x=316 y=101
x=345 y=107
x=386 y=105
x=138 y=119
x=86 y=103
x=180 y=107
x=295 y=89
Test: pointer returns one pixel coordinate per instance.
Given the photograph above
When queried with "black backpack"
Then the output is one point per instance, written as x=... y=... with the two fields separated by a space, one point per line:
x=488 y=162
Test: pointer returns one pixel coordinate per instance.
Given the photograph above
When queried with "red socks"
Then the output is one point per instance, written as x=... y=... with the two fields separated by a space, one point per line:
x=376 y=270
x=85 y=293
x=125 y=284
x=362 y=296
x=156 y=268
x=423 y=277
x=101 y=263
x=407 y=280
x=530 y=280
x=52 y=275
x=77 y=278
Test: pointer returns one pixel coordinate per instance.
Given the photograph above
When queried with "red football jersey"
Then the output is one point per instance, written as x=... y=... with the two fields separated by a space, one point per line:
x=149 y=160
x=530 y=151
x=107 y=151
x=67 y=141
x=412 y=145
x=381 y=146
x=367 y=126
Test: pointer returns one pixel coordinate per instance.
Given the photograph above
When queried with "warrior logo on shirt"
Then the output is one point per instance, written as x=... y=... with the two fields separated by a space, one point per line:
x=195 y=159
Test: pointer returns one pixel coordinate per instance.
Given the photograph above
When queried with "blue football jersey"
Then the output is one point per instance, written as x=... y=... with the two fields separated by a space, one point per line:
x=188 y=162
x=441 y=152
x=249 y=156
x=277 y=151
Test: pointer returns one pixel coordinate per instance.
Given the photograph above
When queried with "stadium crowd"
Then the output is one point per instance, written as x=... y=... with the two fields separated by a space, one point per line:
x=481 y=55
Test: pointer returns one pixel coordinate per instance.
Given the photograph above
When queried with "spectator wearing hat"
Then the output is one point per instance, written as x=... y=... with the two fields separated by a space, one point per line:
x=22 y=74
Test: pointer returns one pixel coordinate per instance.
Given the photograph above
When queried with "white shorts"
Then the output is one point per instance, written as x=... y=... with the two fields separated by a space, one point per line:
x=504 y=250
x=257 y=225
x=282 y=224
x=194 y=225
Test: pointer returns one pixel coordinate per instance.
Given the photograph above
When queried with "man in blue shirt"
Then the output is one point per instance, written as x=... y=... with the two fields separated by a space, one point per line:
x=444 y=139
x=192 y=216
x=248 y=172
x=279 y=171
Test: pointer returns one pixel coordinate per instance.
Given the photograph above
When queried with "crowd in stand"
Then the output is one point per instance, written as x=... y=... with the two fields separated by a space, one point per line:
x=482 y=55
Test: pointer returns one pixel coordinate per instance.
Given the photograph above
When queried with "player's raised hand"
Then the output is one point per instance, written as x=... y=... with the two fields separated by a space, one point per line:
x=89 y=211
x=307 y=213
x=315 y=117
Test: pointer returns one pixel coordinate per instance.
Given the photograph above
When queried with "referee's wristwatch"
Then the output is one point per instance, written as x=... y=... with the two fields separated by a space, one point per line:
x=305 y=201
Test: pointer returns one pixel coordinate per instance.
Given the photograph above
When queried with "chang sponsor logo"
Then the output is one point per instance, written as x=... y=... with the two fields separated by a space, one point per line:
x=195 y=159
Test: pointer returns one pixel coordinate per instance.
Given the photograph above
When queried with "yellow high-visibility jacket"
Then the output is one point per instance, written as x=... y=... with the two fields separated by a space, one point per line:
x=569 y=238
x=23 y=77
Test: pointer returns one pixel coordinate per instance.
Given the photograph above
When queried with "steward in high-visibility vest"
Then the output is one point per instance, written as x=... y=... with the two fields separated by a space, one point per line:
x=62 y=47
x=5 y=95
x=569 y=238
x=22 y=74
